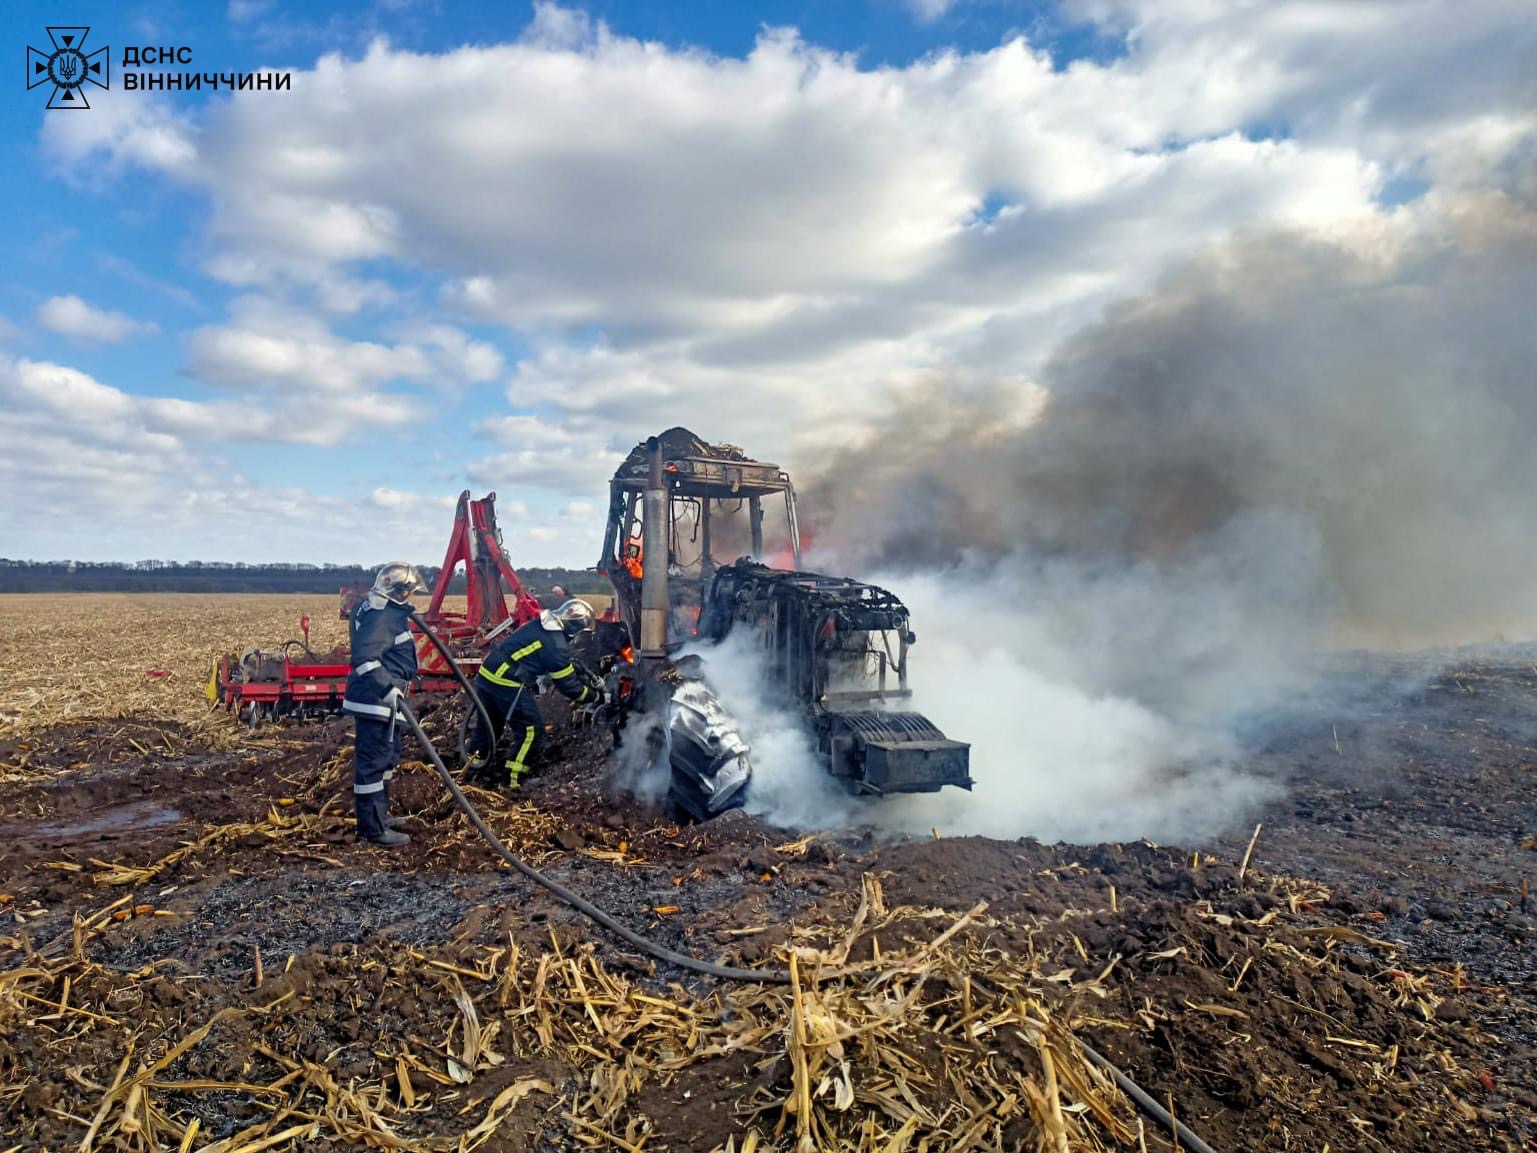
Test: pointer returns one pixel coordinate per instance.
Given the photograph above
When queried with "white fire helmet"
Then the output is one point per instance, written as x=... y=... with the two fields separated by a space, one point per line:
x=572 y=618
x=398 y=582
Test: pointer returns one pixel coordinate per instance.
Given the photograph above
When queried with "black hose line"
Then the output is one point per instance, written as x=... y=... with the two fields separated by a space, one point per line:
x=587 y=908
x=1183 y=1137
x=469 y=689
x=1147 y=1104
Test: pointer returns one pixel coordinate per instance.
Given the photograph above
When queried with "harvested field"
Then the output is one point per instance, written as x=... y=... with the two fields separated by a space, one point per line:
x=195 y=955
x=105 y=655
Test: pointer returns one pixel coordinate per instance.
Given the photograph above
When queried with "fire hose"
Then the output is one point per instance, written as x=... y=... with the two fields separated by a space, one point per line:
x=579 y=903
x=1181 y=1131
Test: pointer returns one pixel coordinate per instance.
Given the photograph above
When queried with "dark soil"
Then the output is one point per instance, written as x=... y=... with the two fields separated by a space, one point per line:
x=1388 y=1003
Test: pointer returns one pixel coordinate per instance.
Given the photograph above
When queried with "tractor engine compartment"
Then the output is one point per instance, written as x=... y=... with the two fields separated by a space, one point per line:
x=837 y=648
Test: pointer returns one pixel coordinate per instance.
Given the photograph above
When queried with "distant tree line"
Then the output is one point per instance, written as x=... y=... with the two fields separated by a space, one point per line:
x=155 y=576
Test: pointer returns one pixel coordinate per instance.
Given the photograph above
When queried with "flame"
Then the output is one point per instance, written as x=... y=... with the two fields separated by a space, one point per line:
x=627 y=654
x=784 y=559
x=632 y=561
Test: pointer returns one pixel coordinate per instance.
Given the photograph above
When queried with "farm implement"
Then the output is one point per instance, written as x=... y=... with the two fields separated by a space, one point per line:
x=295 y=682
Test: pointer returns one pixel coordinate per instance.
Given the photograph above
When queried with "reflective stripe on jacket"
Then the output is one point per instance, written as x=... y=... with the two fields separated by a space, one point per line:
x=529 y=653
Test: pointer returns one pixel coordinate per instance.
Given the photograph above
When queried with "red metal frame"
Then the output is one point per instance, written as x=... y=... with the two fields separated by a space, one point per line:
x=476 y=543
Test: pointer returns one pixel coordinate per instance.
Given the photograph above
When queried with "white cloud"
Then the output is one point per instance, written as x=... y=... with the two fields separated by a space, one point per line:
x=413 y=503
x=707 y=214
x=928 y=11
x=771 y=249
x=122 y=131
x=570 y=456
x=72 y=317
x=71 y=443
x=270 y=343
x=323 y=385
x=653 y=188
x=560 y=28
x=56 y=398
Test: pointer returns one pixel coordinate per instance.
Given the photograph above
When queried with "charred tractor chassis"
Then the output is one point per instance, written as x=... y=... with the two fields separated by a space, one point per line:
x=836 y=649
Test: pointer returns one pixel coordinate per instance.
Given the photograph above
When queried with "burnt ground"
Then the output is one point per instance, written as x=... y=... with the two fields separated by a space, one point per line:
x=1368 y=984
x=1413 y=795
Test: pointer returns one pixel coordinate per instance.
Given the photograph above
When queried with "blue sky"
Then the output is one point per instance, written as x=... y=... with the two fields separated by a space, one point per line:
x=491 y=246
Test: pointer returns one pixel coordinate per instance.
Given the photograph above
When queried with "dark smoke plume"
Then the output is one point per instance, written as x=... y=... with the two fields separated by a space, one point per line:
x=1289 y=444
x=1338 y=436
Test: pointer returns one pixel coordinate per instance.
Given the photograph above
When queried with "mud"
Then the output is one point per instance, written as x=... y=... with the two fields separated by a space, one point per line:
x=1367 y=984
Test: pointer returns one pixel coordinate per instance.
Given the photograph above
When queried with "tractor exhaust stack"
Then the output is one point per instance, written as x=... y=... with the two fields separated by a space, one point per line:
x=653 y=582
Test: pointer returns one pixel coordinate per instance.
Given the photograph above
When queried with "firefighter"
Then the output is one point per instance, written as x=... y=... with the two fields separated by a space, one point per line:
x=383 y=665
x=507 y=687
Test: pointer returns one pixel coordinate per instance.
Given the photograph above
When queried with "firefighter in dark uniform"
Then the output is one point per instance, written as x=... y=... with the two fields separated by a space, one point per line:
x=507 y=686
x=383 y=666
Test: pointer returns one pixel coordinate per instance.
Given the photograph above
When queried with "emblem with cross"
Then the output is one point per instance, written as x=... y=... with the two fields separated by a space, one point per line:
x=68 y=67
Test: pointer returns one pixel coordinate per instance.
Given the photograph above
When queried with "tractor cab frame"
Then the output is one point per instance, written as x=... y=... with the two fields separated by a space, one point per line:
x=721 y=505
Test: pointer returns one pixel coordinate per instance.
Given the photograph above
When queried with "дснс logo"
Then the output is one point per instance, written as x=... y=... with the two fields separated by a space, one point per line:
x=68 y=67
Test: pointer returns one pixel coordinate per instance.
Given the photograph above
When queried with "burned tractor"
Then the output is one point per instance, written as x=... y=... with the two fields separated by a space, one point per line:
x=836 y=648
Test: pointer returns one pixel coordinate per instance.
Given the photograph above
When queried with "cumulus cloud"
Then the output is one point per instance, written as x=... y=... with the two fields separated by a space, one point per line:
x=326 y=384
x=396 y=500
x=270 y=343
x=122 y=132
x=72 y=443
x=776 y=248
x=663 y=225
x=72 y=317
x=560 y=28
x=74 y=403
x=1344 y=72
x=566 y=456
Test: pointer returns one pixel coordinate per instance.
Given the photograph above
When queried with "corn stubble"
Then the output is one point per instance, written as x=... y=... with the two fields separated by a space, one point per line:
x=905 y=1027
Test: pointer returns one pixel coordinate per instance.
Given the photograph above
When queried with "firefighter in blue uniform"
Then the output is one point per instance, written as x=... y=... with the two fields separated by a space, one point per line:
x=507 y=687
x=383 y=666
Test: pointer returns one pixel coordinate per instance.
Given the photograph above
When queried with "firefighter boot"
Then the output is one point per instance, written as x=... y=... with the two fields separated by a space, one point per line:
x=373 y=828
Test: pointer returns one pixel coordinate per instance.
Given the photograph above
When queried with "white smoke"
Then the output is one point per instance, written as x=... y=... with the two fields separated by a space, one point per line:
x=1051 y=759
x=789 y=786
x=634 y=769
x=1051 y=756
